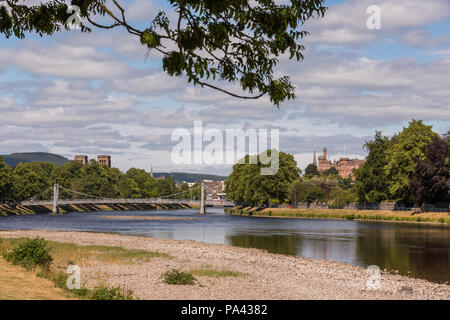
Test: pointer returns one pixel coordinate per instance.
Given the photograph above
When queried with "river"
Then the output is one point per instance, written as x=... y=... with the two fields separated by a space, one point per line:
x=417 y=250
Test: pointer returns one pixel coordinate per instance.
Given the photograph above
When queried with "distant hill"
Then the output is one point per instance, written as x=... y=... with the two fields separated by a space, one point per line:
x=189 y=177
x=14 y=159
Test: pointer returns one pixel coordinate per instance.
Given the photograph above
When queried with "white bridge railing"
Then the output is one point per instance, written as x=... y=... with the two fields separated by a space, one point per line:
x=224 y=203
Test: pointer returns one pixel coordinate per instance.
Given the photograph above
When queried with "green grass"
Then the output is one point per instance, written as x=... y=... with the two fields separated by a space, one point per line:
x=100 y=292
x=110 y=293
x=215 y=273
x=317 y=214
x=35 y=254
x=123 y=255
x=70 y=253
x=177 y=277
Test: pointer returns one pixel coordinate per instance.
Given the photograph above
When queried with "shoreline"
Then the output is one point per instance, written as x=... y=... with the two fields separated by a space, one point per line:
x=385 y=216
x=267 y=275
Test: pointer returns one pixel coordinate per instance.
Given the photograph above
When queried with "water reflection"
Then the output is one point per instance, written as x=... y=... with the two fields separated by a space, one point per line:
x=418 y=251
x=423 y=252
x=276 y=244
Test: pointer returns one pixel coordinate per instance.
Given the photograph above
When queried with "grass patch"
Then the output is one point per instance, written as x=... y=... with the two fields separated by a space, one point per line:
x=110 y=293
x=19 y=284
x=215 y=273
x=177 y=277
x=69 y=253
x=34 y=254
x=49 y=260
x=100 y=292
x=119 y=255
x=379 y=215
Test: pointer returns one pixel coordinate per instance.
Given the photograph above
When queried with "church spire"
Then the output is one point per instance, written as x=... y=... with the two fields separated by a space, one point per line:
x=314 y=160
x=151 y=171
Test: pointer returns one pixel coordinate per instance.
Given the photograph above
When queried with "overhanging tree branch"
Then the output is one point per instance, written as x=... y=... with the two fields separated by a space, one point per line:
x=251 y=34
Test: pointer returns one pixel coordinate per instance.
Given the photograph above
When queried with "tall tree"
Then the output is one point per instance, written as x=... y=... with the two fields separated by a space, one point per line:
x=331 y=171
x=166 y=186
x=430 y=181
x=371 y=182
x=65 y=174
x=411 y=144
x=235 y=41
x=31 y=179
x=247 y=185
x=6 y=181
x=311 y=169
x=447 y=140
x=147 y=185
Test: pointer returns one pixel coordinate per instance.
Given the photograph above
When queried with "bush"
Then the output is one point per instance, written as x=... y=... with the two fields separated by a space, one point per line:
x=107 y=293
x=30 y=254
x=175 y=276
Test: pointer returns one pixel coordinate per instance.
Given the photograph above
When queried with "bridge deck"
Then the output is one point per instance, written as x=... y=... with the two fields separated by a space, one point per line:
x=219 y=203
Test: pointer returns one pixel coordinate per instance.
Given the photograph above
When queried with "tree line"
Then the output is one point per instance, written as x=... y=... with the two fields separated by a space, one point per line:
x=411 y=167
x=27 y=180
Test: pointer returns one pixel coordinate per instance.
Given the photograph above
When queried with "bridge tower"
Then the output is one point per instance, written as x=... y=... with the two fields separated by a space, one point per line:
x=55 y=198
x=202 y=201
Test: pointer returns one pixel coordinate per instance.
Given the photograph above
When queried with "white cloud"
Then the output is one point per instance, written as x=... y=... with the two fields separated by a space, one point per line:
x=345 y=23
x=64 y=61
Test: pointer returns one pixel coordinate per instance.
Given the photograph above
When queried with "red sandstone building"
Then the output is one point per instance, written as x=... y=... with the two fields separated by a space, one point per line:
x=344 y=165
x=103 y=160
x=81 y=159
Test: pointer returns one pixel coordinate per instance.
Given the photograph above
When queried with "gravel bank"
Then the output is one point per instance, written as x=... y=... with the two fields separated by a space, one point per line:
x=146 y=218
x=269 y=276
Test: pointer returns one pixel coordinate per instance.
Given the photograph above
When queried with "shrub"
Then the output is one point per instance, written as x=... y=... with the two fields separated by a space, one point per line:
x=175 y=276
x=107 y=293
x=30 y=254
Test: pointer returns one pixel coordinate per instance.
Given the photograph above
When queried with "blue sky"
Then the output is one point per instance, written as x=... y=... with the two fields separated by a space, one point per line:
x=96 y=93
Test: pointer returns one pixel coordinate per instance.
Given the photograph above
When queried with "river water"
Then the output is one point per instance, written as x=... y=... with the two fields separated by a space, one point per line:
x=421 y=251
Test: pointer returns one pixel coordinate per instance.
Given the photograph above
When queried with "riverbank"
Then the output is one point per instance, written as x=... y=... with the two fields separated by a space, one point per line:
x=18 y=284
x=8 y=210
x=441 y=218
x=253 y=273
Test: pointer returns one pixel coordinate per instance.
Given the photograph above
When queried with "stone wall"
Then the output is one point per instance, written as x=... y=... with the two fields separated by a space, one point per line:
x=312 y=205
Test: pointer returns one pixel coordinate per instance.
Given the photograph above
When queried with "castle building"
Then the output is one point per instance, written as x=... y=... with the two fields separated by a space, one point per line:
x=82 y=159
x=344 y=165
x=104 y=160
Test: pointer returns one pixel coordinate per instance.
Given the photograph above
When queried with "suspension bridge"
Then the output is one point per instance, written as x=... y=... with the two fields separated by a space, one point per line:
x=59 y=195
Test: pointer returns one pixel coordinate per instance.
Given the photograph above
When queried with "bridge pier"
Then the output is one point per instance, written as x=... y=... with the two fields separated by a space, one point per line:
x=55 y=198
x=202 y=201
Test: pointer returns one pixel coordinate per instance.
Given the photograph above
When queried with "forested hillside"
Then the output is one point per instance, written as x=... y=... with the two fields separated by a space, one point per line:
x=14 y=159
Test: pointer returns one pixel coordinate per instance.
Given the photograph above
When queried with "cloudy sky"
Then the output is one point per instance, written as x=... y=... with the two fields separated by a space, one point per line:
x=96 y=93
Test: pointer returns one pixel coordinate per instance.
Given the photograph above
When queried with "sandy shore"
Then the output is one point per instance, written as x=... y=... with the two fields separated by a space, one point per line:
x=268 y=276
